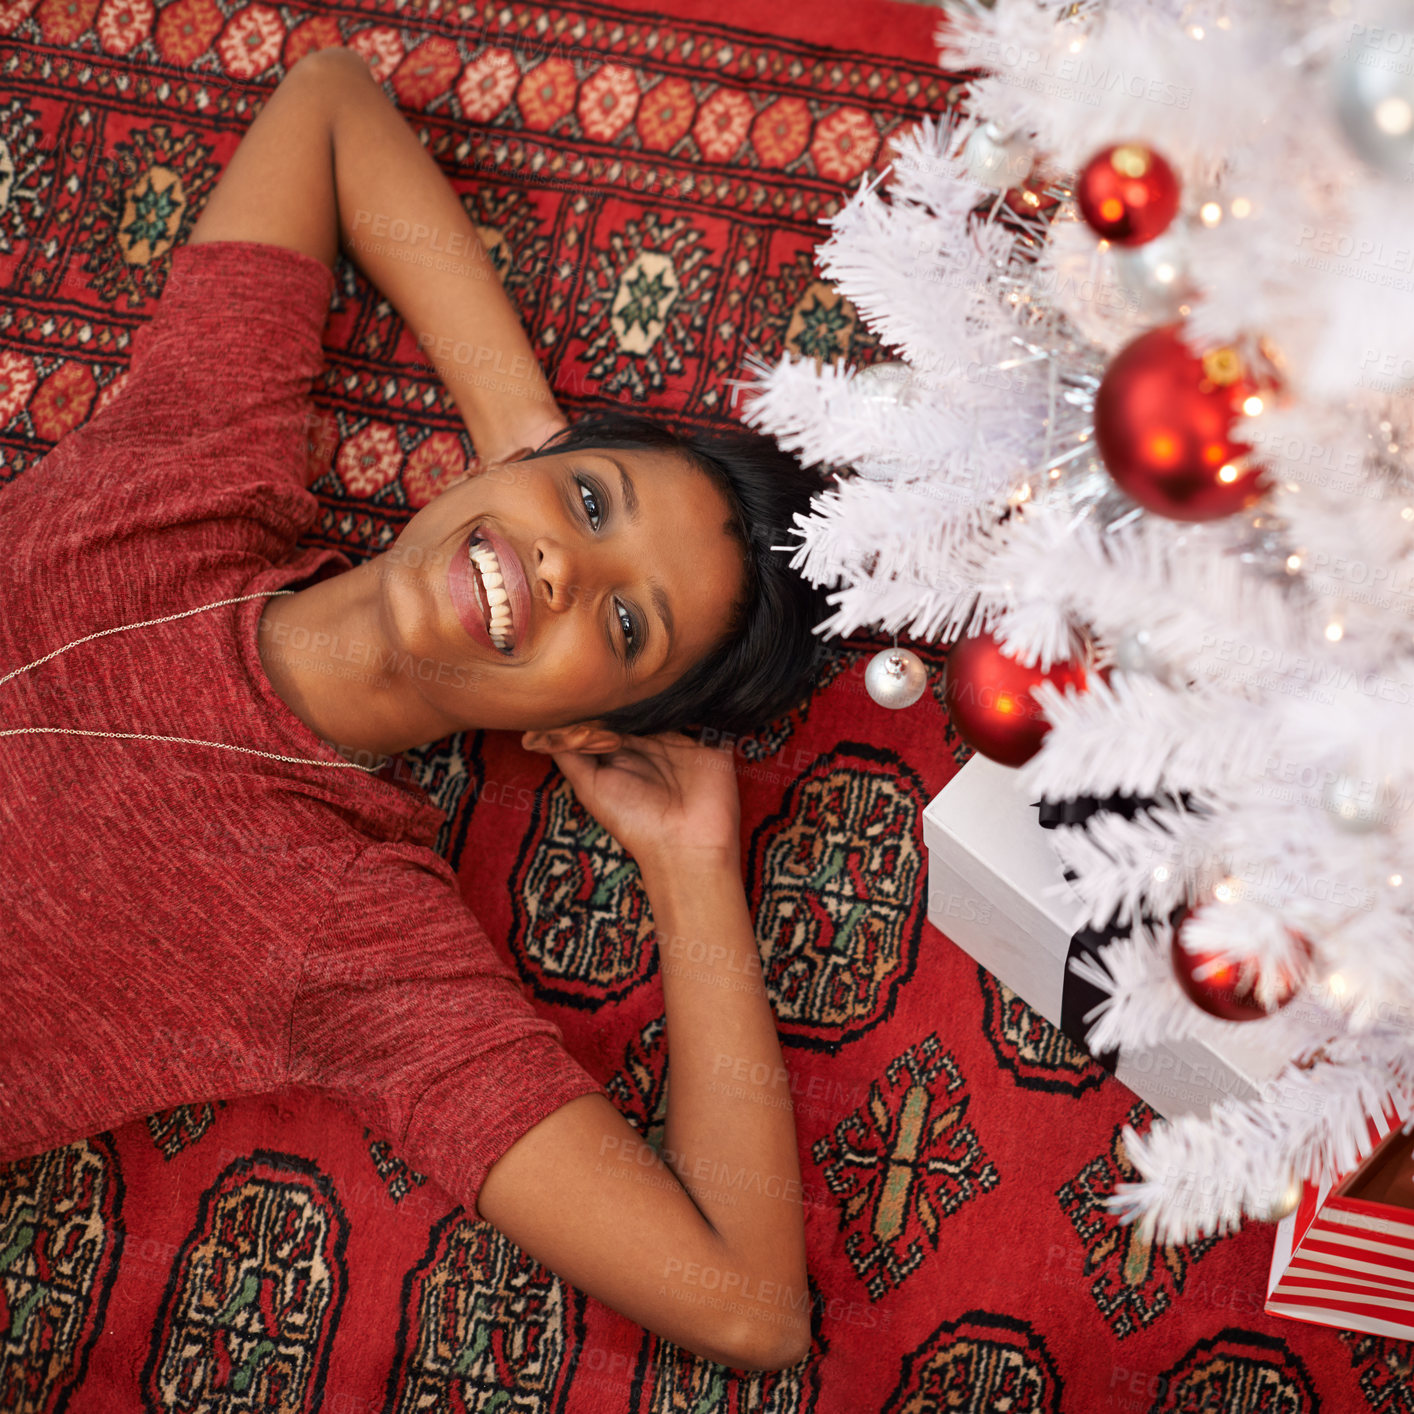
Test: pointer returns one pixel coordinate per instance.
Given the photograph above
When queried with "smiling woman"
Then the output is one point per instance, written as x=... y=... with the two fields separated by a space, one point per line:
x=598 y=594
x=585 y=591
x=649 y=598
x=632 y=588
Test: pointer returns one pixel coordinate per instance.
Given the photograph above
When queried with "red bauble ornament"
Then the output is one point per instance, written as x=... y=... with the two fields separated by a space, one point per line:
x=1033 y=196
x=1225 y=992
x=1164 y=425
x=989 y=702
x=1128 y=194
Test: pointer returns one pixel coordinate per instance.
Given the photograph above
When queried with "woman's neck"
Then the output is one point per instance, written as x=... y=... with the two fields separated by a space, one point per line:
x=327 y=655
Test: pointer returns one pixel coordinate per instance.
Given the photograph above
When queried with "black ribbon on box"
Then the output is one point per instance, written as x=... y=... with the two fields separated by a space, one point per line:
x=1077 y=995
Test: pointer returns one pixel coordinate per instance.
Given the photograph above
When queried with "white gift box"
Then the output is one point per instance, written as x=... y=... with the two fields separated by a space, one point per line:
x=991 y=870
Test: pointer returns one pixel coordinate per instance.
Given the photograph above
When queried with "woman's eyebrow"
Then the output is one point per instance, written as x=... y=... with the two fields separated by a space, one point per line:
x=660 y=602
x=626 y=488
x=631 y=505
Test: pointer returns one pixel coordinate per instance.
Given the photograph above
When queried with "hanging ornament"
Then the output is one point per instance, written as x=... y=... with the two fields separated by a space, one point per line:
x=1134 y=653
x=890 y=382
x=1155 y=276
x=1164 y=421
x=1374 y=91
x=997 y=159
x=1283 y=1203
x=1356 y=805
x=1035 y=195
x=1128 y=194
x=989 y=701
x=895 y=677
x=1227 y=990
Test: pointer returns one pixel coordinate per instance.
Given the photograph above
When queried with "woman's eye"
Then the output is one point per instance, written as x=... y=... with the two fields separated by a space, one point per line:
x=626 y=619
x=589 y=496
x=591 y=501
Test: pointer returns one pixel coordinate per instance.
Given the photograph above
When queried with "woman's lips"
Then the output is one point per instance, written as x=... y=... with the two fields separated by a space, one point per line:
x=513 y=582
x=468 y=595
x=465 y=594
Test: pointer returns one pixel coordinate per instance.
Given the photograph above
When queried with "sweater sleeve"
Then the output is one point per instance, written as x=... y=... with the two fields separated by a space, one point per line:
x=224 y=366
x=407 y=1012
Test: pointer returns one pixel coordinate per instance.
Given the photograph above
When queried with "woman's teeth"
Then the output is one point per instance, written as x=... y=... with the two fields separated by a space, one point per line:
x=492 y=580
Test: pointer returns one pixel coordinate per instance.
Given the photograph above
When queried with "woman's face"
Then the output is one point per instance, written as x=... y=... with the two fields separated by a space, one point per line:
x=595 y=549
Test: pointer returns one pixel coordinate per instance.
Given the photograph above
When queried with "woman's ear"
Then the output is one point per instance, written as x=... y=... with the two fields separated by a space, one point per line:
x=582 y=736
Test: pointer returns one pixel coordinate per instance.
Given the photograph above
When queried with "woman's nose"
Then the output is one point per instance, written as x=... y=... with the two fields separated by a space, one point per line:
x=558 y=574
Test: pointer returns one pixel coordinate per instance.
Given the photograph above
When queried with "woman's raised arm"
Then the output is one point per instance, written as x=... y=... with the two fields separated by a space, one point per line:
x=705 y=1244
x=330 y=164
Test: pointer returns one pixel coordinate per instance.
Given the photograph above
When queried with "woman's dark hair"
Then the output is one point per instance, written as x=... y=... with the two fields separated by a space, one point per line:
x=768 y=659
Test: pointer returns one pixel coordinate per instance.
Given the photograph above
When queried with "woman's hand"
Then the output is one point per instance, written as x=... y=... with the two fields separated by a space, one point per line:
x=669 y=801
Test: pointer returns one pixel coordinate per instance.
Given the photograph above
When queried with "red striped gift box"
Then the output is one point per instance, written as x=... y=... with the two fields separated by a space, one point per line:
x=1345 y=1257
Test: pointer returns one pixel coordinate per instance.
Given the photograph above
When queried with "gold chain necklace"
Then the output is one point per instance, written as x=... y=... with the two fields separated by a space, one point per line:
x=149 y=736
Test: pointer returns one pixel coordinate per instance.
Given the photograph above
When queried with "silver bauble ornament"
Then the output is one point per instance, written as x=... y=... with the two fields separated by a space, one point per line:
x=1134 y=653
x=889 y=384
x=1374 y=89
x=1283 y=1203
x=1155 y=276
x=886 y=382
x=997 y=159
x=1354 y=804
x=895 y=678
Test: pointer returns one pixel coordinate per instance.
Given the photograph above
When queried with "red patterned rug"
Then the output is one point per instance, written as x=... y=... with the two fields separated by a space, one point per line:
x=956 y=1150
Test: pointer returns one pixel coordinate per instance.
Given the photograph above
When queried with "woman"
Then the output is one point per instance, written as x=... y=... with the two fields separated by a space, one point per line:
x=206 y=890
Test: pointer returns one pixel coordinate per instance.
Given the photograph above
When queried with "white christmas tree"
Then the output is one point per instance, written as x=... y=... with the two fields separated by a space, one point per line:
x=1247 y=618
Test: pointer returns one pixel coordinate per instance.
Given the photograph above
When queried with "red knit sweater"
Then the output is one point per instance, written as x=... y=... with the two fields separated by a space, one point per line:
x=181 y=923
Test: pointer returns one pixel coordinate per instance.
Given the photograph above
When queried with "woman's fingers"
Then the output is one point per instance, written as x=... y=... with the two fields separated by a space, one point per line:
x=578 y=768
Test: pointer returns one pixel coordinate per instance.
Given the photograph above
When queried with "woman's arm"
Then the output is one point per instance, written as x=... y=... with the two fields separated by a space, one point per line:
x=330 y=164
x=708 y=1248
